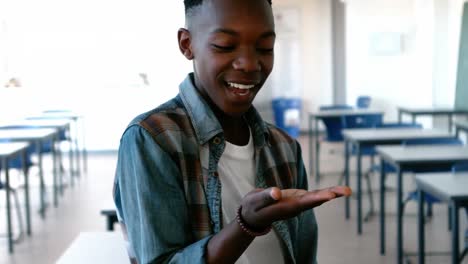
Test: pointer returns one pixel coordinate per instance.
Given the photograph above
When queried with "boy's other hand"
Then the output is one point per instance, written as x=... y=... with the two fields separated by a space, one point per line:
x=261 y=207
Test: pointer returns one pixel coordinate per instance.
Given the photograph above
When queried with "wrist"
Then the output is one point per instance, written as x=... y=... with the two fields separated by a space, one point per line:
x=246 y=228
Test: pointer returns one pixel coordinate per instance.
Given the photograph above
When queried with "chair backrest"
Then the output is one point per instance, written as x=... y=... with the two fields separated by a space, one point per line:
x=336 y=107
x=363 y=121
x=460 y=167
x=363 y=101
x=400 y=125
x=433 y=141
x=333 y=128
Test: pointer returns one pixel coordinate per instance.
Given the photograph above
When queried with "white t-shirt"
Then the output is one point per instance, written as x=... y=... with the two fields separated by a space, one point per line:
x=236 y=170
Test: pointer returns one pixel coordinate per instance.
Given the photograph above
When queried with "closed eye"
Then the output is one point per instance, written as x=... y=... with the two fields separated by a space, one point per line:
x=265 y=50
x=223 y=48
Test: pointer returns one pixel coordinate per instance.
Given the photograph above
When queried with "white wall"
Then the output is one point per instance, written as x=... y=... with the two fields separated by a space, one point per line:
x=86 y=55
x=315 y=62
x=423 y=73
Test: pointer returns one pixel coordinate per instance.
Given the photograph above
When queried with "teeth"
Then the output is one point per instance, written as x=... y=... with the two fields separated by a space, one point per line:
x=241 y=86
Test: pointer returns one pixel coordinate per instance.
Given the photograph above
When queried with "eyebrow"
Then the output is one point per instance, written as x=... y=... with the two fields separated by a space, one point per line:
x=234 y=33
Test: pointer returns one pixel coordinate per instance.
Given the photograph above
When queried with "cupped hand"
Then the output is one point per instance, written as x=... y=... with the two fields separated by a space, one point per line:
x=261 y=207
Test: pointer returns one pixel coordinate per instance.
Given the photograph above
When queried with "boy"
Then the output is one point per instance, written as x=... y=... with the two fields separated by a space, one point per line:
x=202 y=178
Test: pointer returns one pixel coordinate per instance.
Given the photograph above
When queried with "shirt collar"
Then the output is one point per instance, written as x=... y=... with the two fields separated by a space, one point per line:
x=204 y=121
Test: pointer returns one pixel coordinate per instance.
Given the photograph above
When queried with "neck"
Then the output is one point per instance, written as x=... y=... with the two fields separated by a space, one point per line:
x=236 y=130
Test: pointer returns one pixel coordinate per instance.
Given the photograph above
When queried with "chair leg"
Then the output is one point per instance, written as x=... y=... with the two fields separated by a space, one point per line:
x=371 y=197
x=429 y=210
x=18 y=213
x=341 y=180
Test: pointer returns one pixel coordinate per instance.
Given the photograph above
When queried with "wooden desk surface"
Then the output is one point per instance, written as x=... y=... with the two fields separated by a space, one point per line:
x=96 y=247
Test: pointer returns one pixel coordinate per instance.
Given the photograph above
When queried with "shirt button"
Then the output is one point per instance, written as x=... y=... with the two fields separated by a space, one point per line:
x=216 y=140
x=216 y=174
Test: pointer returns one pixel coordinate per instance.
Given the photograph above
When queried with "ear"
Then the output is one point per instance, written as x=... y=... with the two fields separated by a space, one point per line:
x=185 y=43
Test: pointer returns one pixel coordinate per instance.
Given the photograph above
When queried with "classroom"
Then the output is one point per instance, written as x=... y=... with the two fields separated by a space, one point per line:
x=366 y=94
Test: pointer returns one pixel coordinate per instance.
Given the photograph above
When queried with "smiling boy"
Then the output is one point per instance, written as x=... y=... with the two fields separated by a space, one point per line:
x=202 y=178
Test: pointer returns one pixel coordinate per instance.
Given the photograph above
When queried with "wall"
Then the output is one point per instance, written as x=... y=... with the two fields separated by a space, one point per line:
x=423 y=72
x=395 y=77
x=315 y=62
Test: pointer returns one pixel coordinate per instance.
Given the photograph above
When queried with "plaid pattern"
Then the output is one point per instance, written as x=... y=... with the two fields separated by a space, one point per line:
x=194 y=142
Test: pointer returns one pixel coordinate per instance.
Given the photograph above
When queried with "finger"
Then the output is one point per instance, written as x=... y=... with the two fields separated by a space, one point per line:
x=265 y=198
x=341 y=191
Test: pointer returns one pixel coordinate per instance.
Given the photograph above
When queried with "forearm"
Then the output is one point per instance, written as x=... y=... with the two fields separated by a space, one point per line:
x=228 y=245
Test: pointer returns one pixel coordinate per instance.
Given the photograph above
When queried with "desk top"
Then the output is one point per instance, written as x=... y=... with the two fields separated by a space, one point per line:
x=8 y=149
x=392 y=134
x=346 y=112
x=56 y=115
x=96 y=247
x=39 y=123
x=27 y=134
x=423 y=153
x=431 y=110
x=445 y=186
x=461 y=124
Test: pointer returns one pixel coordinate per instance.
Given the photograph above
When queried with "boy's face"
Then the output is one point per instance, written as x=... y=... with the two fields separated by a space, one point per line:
x=231 y=44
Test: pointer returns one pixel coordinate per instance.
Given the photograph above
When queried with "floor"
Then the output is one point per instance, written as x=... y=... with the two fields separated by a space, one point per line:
x=79 y=208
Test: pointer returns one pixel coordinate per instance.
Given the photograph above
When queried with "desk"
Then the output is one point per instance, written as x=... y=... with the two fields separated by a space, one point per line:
x=371 y=137
x=63 y=125
x=75 y=118
x=37 y=137
x=449 y=187
x=7 y=152
x=96 y=247
x=412 y=158
x=431 y=111
x=461 y=126
x=313 y=132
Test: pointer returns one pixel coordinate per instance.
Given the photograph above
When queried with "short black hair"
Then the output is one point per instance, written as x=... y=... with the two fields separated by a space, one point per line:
x=189 y=4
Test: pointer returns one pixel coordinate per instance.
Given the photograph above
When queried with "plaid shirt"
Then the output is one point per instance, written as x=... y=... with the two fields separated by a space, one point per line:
x=167 y=195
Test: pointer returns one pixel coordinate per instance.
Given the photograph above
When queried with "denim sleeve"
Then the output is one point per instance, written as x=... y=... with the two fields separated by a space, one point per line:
x=307 y=241
x=149 y=196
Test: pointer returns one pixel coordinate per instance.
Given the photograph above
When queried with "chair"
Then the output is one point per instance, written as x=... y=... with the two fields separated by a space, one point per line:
x=363 y=101
x=376 y=167
x=429 y=199
x=334 y=125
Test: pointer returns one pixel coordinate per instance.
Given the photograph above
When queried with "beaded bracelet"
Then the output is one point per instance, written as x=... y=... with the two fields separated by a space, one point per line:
x=245 y=227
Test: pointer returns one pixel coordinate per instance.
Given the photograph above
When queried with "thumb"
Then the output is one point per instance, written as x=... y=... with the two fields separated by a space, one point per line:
x=267 y=197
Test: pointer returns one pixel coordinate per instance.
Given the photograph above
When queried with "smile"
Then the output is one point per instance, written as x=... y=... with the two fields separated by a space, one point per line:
x=241 y=86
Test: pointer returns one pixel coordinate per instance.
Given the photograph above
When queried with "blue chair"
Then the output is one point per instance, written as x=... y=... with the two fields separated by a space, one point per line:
x=363 y=101
x=387 y=167
x=429 y=199
x=334 y=125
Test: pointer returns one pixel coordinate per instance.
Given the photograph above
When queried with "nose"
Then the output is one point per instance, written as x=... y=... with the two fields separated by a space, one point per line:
x=247 y=60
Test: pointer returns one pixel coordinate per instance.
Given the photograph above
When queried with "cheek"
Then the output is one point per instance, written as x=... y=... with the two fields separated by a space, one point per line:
x=268 y=64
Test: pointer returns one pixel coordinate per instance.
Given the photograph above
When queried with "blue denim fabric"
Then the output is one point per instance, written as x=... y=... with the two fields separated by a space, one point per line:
x=153 y=198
